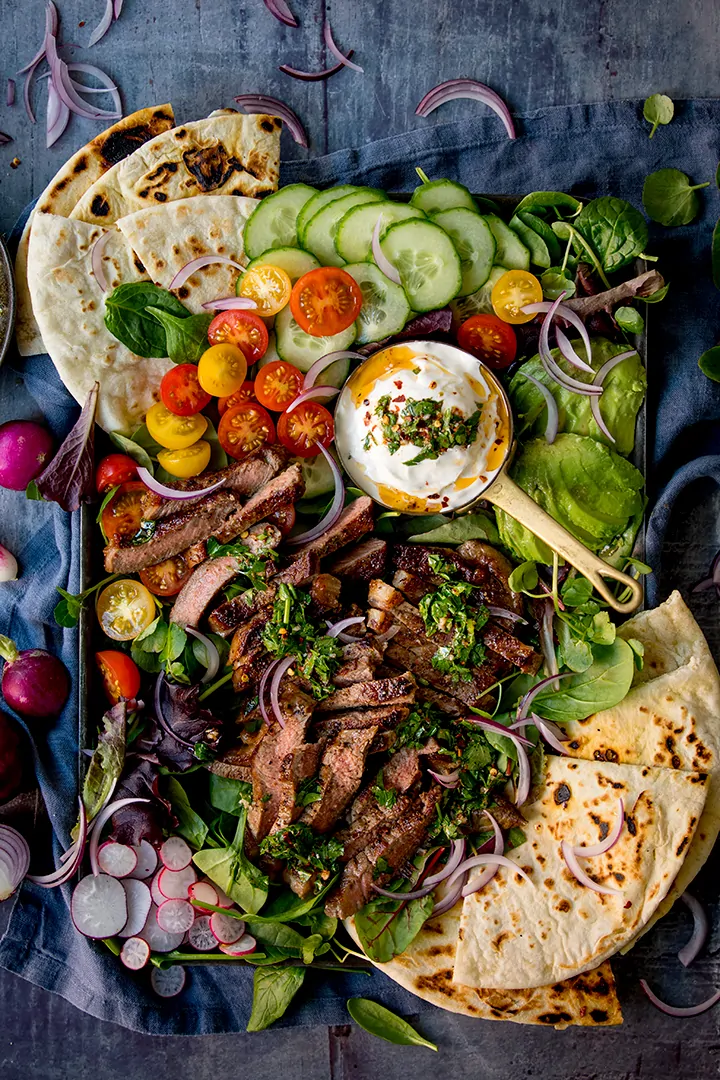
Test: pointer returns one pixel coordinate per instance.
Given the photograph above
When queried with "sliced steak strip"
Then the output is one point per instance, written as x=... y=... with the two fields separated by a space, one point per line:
x=301 y=764
x=268 y=778
x=341 y=772
x=359 y=663
x=384 y=718
x=228 y=616
x=511 y=648
x=324 y=594
x=415 y=558
x=243 y=477
x=397 y=691
x=477 y=553
x=405 y=652
x=363 y=562
x=399 y=773
x=282 y=490
x=444 y=702
x=247 y=653
x=355 y=520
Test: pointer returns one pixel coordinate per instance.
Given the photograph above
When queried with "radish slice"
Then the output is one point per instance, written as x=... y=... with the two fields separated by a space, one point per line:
x=175 y=916
x=226 y=929
x=135 y=953
x=201 y=937
x=205 y=893
x=169 y=982
x=175 y=854
x=157 y=897
x=99 y=906
x=147 y=860
x=159 y=940
x=246 y=944
x=174 y=884
x=117 y=860
x=139 y=902
x=223 y=900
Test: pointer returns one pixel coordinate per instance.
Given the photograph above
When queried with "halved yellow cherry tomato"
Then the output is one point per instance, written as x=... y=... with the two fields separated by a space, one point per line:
x=222 y=370
x=268 y=286
x=190 y=461
x=512 y=292
x=124 y=609
x=172 y=431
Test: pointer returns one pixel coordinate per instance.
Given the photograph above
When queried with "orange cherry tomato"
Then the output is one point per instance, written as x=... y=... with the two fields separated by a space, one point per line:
x=302 y=429
x=277 y=385
x=113 y=470
x=123 y=514
x=120 y=675
x=166 y=578
x=490 y=339
x=325 y=301
x=180 y=391
x=240 y=397
x=245 y=428
x=284 y=519
x=243 y=329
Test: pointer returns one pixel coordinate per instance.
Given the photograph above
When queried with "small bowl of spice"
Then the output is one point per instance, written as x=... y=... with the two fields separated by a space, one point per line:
x=7 y=300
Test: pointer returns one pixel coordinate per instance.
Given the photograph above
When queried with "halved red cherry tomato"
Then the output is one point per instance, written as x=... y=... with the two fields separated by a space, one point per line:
x=325 y=301
x=243 y=329
x=277 y=385
x=123 y=514
x=166 y=578
x=240 y=397
x=119 y=673
x=245 y=428
x=302 y=429
x=113 y=470
x=284 y=519
x=181 y=392
x=490 y=339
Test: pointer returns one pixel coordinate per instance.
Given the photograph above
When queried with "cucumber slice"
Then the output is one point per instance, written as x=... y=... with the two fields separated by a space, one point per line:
x=477 y=303
x=318 y=475
x=541 y=227
x=272 y=224
x=385 y=309
x=319 y=234
x=318 y=201
x=353 y=240
x=271 y=353
x=442 y=195
x=294 y=261
x=474 y=242
x=539 y=254
x=511 y=252
x=426 y=260
x=302 y=350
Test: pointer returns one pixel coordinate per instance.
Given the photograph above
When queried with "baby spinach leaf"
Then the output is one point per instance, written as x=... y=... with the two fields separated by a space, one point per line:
x=384 y=1024
x=186 y=336
x=630 y=319
x=603 y=685
x=541 y=227
x=226 y=794
x=189 y=824
x=658 y=109
x=544 y=200
x=287 y=907
x=669 y=198
x=709 y=363
x=132 y=449
x=231 y=869
x=128 y=319
x=273 y=990
x=524 y=578
x=478 y=526
x=556 y=282
x=615 y=230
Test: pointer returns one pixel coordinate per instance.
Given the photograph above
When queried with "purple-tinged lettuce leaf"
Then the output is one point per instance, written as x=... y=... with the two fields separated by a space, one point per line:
x=69 y=478
x=431 y=322
x=107 y=761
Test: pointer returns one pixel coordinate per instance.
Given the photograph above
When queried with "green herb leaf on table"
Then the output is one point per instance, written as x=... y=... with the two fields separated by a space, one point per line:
x=658 y=109
x=273 y=990
x=128 y=319
x=384 y=1024
x=189 y=823
x=32 y=493
x=670 y=199
x=709 y=363
x=629 y=319
x=186 y=336
x=69 y=479
x=615 y=230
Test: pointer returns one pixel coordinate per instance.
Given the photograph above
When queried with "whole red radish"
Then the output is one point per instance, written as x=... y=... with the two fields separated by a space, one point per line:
x=34 y=682
x=11 y=763
x=25 y=450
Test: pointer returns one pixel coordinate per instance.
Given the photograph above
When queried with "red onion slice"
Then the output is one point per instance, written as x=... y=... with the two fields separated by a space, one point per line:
x=548 y=734
x=212 y=653
x=10 y=95
x=447 y=780
x=610 y=364
x=108 y=86
x=96 y=258
x=571 y=861
x=551 y=366
x=674 y=1010
x=5 y=138
x=598 y=418
x=610 y=840
x=281 y=11
x=312 y=76
x=457 y=854
x=700 y=930
x=415 y=894
x=70 y=861
x=336 y=51
x=335 y=507
x=104 y=25
x=566 y=348
x=230 y=303
x=26 y=91
x=315 y=393
x=449 y=900
x=160 y=716
x=338 y=627
x=57 y=117
x=174 y=493
x=280 y=670
x=15 y=856
x=553 y=417
x=117 y=7
x=527 y=699
x=598 y=381
x=197 y=264
x=466 y=88
x=505 y=613
x=519 y=742
x=63 y=83
x=485 y=860
x=259 y=103
x=388 y=634
x=261 y=689
x=489 y=873
x=567 y=315
x=325 y=361
x=547 y=641
x=493 y=725
x=99 y=824
x=383 y=263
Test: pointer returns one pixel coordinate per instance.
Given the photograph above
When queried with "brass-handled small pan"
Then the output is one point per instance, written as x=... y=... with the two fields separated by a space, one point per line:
x=496 y=487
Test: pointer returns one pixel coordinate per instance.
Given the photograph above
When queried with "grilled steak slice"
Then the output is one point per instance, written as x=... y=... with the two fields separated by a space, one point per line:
x=398 y=840
x=476 y=553
x=511 y=648
x=383 y=718
x=406 y=652
x=301 y=764
x=360 y=661
x=268 y=779
x=355 y=520
x=415 y=558
x=246 y=650
x=243 y=477
x=505 y=813
x=341 y=772
x=324 y=594
x=282 y=490
x=363 y=562
x=228 y=616
x=444 y=702
x=397 y=691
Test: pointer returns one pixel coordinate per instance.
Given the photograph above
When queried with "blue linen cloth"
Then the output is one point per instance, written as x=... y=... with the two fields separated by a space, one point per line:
x=590 y=149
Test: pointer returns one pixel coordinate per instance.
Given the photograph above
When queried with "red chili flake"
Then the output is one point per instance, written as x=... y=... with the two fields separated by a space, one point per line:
x=81 y=23
x=435 y=496
x=445 y=500
x=433 y=385
x=398 y=383
x=368 y=418
x=400 y=398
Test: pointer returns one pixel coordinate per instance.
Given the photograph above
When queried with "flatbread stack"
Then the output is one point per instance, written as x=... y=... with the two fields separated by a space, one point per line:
x=660 y=752
x=168 y=195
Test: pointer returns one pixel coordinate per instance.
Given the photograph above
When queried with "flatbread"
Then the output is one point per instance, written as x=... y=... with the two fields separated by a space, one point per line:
x=225 y=154
x=68 y=186
x=165 y=238
x=670 y=635
x=70 y=307
x=532 y=935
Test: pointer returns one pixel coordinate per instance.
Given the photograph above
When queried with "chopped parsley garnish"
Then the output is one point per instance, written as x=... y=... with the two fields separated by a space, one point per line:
x=424 y=423
x=386 y=797
x=252 y=566
x=291 y=632
x=449 y=610
x=304 y=851
x=308 y=791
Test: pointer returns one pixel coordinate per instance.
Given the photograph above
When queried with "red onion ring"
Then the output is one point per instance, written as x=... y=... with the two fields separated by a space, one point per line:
x=457 y=853
x=700 y=930
x=505 y=613
x=383 y=263
x=447 y=780
x=259 y=103
x=493 y=725
x=548 y=734
x=63 y=82
x=212 y=652
x=527 y=699
x=118 y=6
x=598 y=381
x=325 y=361
x=466 y=88
x=610 y=840
x=566 y=348
x=26 y=91
x=416 y=894
x=10 y=95
x=485 y=860
x=5 y=138
x=17 y=856
x=108 y=86
x=335 y=629
x=674 y=1010
x=551 y=366
x=475 y=884
x=160 y=716
x=312 y=76
x=450 y=900
x=261 y=689
x=547 y=640
x=97 y=256
x=314 y=393
x=335 y=507
x=336 y=51
x=230 y=303
x=282 y=12
x=99 y=824
x=571 y=861
x=104 y=25
x=388 y=634
x=282 y=667
x=57 y=117
x=197 y=264
x=567 y=315
x=173 y=493
x=553 y=417
x=70 y=861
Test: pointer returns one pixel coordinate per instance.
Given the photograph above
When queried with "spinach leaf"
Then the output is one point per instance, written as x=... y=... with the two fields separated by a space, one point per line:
x=128 y=319
x=603 y=685
x=384 y=1024
x=524 y=578
x=477 y=526
x=190 y=825
x=657 y=296
x=541 y=227
x=69 y=479
x=615 y=230
x=669 y=198
x=557 y=282
x=658 y=109
x=630 y=319
x=67 y=611
x=186 y=336
x=133 y=450
x=226 y=794
x=386 y=927
x=319 y=923
x=107 y=761
x=715 y=253
x=544 y=200
x=273 y=990
x=231 y=869
x=709 y=363
x=287 y=907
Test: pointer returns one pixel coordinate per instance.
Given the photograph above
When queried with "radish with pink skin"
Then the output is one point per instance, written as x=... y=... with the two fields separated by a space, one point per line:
x=34 y=682
x=175 y=854
x=139 y=903
x=117 y=860
x=8 y=565
x=174 y=884
x=147 y=860
x=159 y=940
x=200 y=936
x=99 y=906
x=246 y=944
x=157 y=897
x=175 y=916
x=226 y=929
x=135 y=953
x=223 y=900
x=168 y=982
x=25 y=450
x=205 y=893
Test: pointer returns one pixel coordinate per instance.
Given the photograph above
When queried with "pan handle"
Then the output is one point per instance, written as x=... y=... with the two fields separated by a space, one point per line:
x=506 y=494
